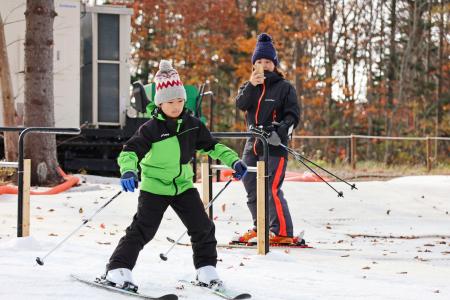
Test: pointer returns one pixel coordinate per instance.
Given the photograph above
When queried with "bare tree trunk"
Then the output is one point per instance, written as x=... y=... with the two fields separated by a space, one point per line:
x=441 y=62
x=415 y=35
x=299 y=53
x=370 y=86
x=391 y=81
x=331 y=58
x=39 y=101
x=9 y=112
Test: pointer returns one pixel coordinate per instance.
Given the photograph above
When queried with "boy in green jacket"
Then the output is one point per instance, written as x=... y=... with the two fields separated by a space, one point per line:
x=164 y=146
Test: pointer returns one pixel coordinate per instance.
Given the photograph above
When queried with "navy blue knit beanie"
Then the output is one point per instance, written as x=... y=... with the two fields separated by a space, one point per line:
x=265 y=49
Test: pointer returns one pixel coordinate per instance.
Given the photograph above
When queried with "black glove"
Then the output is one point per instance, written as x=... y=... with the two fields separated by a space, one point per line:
x=283 y=129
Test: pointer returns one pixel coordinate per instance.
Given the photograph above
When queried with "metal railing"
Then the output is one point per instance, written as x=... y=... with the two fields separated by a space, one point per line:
x=353 y=146
x=23 y=132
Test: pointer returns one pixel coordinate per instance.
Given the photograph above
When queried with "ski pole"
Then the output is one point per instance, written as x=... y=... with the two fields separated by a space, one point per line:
x=339 y=193
x=353 y=186
x=298 y=155
x=163 y=256
x=40 y=260
x=301 y=159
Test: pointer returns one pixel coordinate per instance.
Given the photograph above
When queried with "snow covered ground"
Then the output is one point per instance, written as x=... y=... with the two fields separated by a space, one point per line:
x=341 y=267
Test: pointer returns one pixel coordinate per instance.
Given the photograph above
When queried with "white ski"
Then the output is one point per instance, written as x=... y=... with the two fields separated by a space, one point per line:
x=227 y=294
x=97 y=283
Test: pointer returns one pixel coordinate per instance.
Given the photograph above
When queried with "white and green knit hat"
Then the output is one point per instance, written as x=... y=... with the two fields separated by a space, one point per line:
x=168 y=83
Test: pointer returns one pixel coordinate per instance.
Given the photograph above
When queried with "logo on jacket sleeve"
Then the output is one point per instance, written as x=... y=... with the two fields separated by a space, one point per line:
x=165 y=135
x=270 y=100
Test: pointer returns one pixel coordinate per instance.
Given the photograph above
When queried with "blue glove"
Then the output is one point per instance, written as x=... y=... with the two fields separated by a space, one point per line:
x=240 y=169
x=129 y=181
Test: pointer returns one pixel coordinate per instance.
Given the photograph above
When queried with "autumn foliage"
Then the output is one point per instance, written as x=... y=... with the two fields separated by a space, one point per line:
x=361 y=67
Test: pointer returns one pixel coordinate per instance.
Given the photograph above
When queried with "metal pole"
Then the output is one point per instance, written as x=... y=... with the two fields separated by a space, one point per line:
x=20 y=168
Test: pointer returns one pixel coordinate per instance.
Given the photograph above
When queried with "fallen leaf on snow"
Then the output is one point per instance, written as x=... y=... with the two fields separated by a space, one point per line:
x=104 y=243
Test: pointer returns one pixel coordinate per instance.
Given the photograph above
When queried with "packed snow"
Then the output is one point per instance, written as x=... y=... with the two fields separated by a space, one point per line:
x=386 y=240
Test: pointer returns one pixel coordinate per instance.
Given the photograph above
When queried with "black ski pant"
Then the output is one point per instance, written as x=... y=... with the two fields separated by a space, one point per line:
x=279 y=214
x=151 y=207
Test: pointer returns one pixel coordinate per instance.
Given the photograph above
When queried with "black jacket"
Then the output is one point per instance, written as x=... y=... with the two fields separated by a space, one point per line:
x=275 y=100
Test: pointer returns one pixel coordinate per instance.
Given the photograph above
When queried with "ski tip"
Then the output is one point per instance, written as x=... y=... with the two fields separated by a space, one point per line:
x=243 y=296
x=168 y=297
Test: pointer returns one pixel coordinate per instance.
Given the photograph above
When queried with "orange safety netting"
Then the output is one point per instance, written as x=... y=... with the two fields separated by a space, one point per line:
x=69 y=182
x=290 y=176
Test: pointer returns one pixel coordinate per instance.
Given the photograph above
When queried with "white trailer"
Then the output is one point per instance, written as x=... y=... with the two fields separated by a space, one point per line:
x=91 y=61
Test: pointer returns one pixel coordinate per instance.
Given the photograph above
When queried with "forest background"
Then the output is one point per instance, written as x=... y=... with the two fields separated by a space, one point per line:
x=377 y=68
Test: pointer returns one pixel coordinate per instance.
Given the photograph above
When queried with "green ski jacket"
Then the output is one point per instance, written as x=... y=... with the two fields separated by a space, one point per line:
x=164 y=147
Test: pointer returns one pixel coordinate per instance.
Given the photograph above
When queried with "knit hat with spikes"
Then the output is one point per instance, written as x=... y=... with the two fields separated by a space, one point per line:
x=168 y=83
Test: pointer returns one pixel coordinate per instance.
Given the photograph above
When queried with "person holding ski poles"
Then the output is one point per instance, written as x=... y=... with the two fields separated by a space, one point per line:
x=268 y=99
x=164 y=146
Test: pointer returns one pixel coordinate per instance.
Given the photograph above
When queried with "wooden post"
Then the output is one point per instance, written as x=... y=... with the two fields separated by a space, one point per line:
x=428 y=141
x=261 y=207
x=353 y=151
x=205 y=183
x=26 y=197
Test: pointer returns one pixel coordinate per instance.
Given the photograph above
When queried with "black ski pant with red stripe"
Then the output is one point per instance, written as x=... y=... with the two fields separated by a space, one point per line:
x=279 y=215
x=151 y=207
